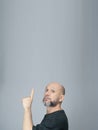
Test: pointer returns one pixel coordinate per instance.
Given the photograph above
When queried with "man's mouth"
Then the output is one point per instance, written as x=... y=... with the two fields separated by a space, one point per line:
x=46 y=98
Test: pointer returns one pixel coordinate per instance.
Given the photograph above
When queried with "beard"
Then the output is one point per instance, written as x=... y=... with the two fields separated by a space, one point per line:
x=49 y=103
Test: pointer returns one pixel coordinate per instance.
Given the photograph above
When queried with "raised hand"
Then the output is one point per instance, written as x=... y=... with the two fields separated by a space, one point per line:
x=27 y=102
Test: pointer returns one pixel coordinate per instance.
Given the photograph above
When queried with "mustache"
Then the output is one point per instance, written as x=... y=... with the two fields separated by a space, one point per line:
x=46 y=97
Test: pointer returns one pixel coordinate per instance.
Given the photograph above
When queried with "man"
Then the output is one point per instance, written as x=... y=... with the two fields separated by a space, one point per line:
x=55 y=118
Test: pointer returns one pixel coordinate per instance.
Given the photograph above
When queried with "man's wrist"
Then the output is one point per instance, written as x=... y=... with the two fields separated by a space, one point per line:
x=27 y=109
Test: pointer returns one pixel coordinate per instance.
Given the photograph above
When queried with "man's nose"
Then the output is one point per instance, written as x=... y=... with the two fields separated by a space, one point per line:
x=47 y=93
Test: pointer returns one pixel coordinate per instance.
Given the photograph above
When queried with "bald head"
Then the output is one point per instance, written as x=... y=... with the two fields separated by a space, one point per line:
x=58 y=86
x=63 y=89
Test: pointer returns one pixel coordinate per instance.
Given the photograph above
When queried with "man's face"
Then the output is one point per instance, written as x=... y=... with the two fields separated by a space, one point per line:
x=53 y=95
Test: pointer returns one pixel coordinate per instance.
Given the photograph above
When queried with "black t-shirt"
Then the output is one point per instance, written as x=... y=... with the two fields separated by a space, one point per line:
x=53 y=121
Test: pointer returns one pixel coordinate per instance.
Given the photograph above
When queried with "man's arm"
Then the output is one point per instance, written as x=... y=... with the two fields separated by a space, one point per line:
x=27 y=119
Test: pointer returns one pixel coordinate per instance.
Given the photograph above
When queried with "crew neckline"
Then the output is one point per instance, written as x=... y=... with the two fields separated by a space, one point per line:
x=54 y=112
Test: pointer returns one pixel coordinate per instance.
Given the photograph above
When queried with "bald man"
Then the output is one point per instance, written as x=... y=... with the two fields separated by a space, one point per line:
x=55 y=118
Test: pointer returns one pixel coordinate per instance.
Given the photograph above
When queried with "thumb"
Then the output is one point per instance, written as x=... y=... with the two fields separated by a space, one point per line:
x=32 y=94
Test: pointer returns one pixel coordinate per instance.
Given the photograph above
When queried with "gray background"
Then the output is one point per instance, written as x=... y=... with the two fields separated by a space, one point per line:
x=43 y=41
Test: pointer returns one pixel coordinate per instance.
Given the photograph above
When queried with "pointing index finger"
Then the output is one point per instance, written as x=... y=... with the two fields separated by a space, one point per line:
x=32 y=94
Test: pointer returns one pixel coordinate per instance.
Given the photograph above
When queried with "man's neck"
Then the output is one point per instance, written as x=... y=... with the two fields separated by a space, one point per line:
x=53 y=109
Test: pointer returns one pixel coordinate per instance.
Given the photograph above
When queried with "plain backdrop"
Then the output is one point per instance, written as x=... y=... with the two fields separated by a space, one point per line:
x=43 y=41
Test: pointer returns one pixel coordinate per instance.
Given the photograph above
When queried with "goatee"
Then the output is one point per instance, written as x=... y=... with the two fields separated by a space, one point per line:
x=50 y=104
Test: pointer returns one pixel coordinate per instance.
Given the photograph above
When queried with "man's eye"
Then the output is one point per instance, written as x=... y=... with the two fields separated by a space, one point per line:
x=46 y=90
x=53 y=91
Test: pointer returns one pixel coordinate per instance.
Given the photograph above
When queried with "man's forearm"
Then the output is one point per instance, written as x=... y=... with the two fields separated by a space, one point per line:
x=27 y=120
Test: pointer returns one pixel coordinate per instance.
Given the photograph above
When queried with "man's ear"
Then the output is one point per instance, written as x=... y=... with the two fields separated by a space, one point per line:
x=61 y=98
